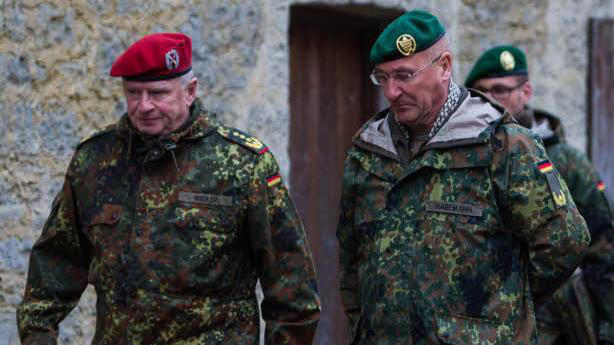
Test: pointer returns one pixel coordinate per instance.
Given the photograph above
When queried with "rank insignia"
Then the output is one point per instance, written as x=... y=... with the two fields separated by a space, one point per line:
x=558 y=196
x=507 y=60
x=273 y=180
x=243 y=139
x=406 y=44
x=601 y=186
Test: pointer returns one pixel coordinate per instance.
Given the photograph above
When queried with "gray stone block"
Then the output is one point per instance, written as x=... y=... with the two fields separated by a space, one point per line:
x=8 y=328
x=2 y=10
x=19 y=119
x=100 y=6
x=14 y=22
x=14 y=254
x=55 y=134
x=17 y=68
x=10 y=214
x=58 y=134
x=58 y=25
x=6 y=196
x=225 y=53
x=112 y=43
x=129 y=6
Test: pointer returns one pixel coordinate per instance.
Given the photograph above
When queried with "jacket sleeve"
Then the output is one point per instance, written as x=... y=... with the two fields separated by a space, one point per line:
x=598 y=265
x=537 y=207
x=57 y=274
x=348 y=267
x=291 y=306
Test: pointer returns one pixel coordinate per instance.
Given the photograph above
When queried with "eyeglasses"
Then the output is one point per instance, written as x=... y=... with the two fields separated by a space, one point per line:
x=380 y=78
x=501 y=92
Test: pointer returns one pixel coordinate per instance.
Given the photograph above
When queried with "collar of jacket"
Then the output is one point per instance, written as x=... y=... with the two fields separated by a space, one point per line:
x=462 y=142
x=555 y=124
x=199 y=124
x=467 y=125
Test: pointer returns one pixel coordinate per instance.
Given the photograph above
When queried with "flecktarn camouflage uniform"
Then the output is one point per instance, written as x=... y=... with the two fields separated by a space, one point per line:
x=581 y=312
x=173 y=234
x=457 y=244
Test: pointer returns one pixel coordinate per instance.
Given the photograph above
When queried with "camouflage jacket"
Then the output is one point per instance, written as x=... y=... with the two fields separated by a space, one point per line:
x=456 y=245
x=587 y=191
x=174 y=235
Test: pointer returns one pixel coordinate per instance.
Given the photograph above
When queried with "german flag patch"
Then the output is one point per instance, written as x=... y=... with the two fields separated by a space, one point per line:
x=545 y=166
x=601 y=186
x=558 y=196
x=273 y=180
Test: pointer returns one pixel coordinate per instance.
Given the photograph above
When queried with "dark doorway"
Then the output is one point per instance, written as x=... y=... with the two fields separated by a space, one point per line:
x=601 y=102
x=330 y=97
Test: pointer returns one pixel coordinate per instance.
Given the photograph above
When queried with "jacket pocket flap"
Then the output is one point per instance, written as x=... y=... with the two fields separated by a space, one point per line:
x=207 y=218
x=461 y=330
x=109 y=215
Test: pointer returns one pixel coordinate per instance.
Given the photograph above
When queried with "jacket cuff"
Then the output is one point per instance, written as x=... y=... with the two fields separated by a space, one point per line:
x=40 y=338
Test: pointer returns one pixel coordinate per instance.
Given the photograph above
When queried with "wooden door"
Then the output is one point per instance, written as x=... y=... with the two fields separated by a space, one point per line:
x=601 y=102
x=330 y=97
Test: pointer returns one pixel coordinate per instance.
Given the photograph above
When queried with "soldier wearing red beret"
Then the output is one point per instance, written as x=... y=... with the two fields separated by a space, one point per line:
x=173 y=217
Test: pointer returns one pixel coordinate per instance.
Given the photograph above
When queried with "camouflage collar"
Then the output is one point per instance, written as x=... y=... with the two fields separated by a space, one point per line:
x=199 y=124
x=553 y=122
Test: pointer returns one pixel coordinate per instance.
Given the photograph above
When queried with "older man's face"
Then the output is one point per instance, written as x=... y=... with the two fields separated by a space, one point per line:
x=158 y=107
x=415 y=102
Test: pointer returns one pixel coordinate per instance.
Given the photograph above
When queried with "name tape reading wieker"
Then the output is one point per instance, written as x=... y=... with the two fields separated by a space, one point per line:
x=207 y=199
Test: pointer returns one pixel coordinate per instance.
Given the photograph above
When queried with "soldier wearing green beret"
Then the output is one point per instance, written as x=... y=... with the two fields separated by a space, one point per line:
x=453 y=222
x=571 y=316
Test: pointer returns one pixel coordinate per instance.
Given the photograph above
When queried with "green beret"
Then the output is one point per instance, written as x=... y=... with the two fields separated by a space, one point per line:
x=410 y=33
x=499 y=61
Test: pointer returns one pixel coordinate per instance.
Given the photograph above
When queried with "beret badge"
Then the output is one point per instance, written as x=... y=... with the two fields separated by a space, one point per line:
x=507 y=60
x=172 y=59
x=406 y=44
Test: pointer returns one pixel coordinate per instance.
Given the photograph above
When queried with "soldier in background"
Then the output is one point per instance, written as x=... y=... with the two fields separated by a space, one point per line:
x=453 y=221
x=173 y=217
x=571 y=316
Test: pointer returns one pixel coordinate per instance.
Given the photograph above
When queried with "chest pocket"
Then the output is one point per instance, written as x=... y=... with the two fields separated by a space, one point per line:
x=218 y=219
x=205 y=231
x=101 y=227
x=457 y=330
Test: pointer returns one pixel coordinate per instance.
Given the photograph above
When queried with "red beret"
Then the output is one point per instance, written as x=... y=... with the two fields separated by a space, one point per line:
x=155 y=57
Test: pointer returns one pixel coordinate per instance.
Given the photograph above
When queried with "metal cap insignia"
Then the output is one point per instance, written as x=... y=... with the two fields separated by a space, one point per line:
x=172 y=59
x=406 y=44
x=507 y=60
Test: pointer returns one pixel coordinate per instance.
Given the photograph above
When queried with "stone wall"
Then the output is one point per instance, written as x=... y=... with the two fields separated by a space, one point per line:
x=54 y=86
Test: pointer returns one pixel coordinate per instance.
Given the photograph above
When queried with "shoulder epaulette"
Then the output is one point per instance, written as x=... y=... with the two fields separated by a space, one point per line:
x=243 y=139
x=96 y=133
